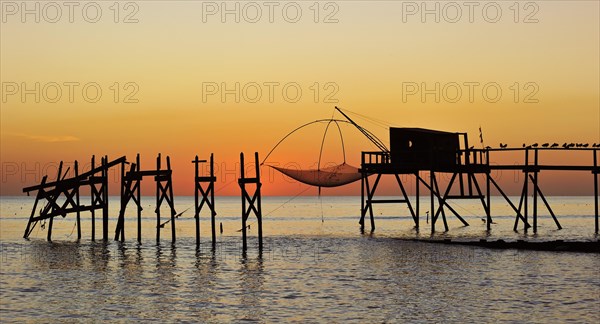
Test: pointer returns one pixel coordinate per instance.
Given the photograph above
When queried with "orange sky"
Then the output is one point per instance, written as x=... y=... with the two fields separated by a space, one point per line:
x=360 y=55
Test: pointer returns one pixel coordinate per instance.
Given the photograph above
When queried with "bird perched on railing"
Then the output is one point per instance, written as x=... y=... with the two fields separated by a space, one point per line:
x=554 y=145
x=565 y=145
x=534 y=145
x=545 y=144
x=503 y=145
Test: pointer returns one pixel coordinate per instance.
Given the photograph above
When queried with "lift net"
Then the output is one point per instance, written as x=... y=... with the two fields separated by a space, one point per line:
x=333 y=176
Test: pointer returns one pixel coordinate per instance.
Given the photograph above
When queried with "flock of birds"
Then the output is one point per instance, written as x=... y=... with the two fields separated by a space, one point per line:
x=554 y=145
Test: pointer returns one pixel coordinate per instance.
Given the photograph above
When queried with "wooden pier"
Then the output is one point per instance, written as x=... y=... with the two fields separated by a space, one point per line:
x=208 y=196
x=251 y=204
x=417 y=151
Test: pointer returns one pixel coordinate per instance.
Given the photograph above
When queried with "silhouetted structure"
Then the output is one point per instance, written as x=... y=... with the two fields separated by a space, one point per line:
x=68 y=189
x=130 y=190
x=208 y=197
x=250 y=204
x=418 y=150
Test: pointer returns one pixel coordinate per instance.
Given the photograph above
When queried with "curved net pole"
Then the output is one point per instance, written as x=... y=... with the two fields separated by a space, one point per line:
x=323 y=141
x=297 y=129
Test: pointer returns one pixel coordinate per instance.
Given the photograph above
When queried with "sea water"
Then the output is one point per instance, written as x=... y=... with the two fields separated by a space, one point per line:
x=316 y=265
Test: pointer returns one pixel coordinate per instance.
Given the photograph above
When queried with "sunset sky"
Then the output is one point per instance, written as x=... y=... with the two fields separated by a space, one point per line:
x=170 y=60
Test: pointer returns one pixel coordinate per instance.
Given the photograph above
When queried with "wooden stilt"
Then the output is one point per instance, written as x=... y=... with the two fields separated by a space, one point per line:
x=441 y=204
x=432 y=207
x=124 y=193
x=362 y=195
x=258 y=199
x=52 y=205
x=139 y=200
x=208 y=197
x=535 y=196
x=595 y=174
x=105 y=198
x=250 y=204
x=158 y=192
x=488 y=192
x=525 y=192
x=418 y=198
x=213 y=211
x=244 y=217
x=539 y=191
x=78 y=213
x=196 y=209
x=93 y=198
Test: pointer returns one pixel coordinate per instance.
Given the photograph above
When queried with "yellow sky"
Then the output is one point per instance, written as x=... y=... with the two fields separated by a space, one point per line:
x=365 y=56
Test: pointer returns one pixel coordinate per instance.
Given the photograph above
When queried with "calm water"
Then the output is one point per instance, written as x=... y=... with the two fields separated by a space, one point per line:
x=316 y=266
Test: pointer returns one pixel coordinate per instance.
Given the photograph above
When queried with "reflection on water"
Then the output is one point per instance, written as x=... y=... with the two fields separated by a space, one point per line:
x=308 y=271
x=295 y=278
x=251 y=288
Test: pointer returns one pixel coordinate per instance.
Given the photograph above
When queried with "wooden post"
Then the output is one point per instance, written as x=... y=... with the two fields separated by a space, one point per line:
x=535 y=192
x=417 y=194
x=525 y=188
x=171 y=201
x=158 y=202
x=259 y=208
x=78 y=215
x=243 y=186
x=431 y=212
x=120 y=233
x=208 y=197
x=92 y=195
x=51 y=220
x=105 y=198
x=213 y=211
x=362 y=194
x=253 y=202
x=488 y=191
x=596 y=189
x=139 y=200
x=196 y=190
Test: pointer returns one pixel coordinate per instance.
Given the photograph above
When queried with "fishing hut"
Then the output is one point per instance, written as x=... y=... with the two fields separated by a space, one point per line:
x=426 y=153
x=414 y=151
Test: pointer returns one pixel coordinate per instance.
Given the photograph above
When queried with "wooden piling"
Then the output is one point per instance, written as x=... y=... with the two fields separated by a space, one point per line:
x=139 y=200
x=170 y=198
x=158 y=202
x=78 y=213
x=243 y=186
x=535 y=192
x=250 y=204
x=213 y=211
x=595 y=174
x=105 y=198
x=418 y=199
x=526 y=188
x=196 y=209
x=93 y=196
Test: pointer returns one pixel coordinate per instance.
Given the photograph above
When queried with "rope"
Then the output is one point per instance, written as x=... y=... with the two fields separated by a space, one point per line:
x=285 y=203
x=378 y=122
x=72 y=230
x=297 y=129
x=323 y=142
